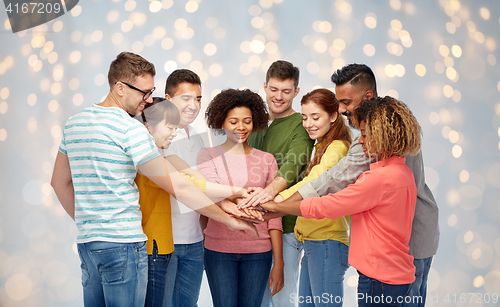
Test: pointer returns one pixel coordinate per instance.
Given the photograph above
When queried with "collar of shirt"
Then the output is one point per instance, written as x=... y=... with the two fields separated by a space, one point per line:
x=391 y=160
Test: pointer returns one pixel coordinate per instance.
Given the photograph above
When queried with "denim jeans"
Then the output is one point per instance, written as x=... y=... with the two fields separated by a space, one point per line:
x=114 y=274
x=292 y=253
x=237 y=280
x=372 y=292
x=184 y=275
x=418 y=291
x=157 y=275
x=322 y=273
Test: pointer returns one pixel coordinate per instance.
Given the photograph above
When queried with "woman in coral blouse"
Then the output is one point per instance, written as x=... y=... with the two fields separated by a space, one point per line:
x=239 y=266
x=381 y=204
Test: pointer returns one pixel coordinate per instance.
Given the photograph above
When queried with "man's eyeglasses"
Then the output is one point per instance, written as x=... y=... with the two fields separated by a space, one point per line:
x=146 y=94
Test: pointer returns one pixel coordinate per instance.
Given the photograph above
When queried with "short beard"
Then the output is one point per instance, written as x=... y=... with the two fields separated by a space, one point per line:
x=348 y=115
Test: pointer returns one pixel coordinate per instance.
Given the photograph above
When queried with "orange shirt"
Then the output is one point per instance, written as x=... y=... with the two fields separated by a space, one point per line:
x=156 y=212
x=382 y=205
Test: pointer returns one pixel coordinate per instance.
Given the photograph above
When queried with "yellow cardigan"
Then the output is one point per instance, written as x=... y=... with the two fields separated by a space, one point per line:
x=156 y=213
x=325 y=229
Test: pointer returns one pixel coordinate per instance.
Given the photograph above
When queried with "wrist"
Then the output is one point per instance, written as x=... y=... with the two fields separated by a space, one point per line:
x=273 y=189
x=229 y=221
x=239 y=191
x=279 y=263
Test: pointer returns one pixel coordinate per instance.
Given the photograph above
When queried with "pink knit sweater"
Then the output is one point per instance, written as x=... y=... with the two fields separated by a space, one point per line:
x=256 y=169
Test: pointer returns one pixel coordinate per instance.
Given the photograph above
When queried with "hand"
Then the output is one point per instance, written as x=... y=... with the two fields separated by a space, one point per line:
x=276 y=279
x=231 y=208
x=241 y=226
x=269 y=206
x=242 y=202
x=257 y=196
x=256 y=214
x=278 y=199
x=241 y=192
x=252 y=220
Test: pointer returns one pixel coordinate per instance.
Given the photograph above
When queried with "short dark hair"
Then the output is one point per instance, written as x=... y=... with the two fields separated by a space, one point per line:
x=161 y=109
x=356 y=74
x=283 y=70
x=127 y=67
x=179 y=76
x=229 y=99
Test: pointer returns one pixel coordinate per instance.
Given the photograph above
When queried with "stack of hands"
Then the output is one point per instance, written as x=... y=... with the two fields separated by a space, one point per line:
x=251 y=204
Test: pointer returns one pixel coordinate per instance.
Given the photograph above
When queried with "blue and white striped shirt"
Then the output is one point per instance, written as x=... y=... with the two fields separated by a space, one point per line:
x=104 y=147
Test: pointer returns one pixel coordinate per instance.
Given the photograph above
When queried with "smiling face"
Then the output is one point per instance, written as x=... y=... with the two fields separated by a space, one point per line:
x=187 y=99
x=132 y=101
x=238 y=125
x=350 y=97
x=279 y=97
x=316 y=121
x=163 y=134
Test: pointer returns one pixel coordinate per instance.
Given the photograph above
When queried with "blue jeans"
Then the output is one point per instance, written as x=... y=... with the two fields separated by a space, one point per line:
x=184 y=275
x=292 y=252
x=322 y=274
x=114 y=274
x=372 y=292
x=418 y=291
x=237 y=280
x=157 y=276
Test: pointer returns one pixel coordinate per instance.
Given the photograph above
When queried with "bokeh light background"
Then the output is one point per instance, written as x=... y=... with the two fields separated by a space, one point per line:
x=439 y=57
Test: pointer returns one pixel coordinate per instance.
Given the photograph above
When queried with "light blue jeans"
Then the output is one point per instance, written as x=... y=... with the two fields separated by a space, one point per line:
x=292 y=253
x=184 y=275
x=322 y=274
x=114 y=274
x=418 y=291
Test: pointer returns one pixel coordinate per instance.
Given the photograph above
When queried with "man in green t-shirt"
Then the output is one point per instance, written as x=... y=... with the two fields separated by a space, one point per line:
x=288 y=141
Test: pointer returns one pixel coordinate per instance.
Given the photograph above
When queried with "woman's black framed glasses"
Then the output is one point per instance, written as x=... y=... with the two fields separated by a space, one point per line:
x=146 y=94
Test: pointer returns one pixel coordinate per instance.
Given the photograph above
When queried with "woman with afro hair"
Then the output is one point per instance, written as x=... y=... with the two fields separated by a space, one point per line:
x=238 y=265
x=161 y=119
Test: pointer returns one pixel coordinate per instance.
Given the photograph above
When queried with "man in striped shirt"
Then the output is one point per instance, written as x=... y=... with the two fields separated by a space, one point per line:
x=102 y=149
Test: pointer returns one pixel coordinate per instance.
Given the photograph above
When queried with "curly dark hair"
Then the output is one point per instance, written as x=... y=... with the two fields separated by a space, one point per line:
x=229 y=99
x=391 y=128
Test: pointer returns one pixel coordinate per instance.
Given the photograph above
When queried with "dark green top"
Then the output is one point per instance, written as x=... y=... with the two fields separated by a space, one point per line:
x=288 y=141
